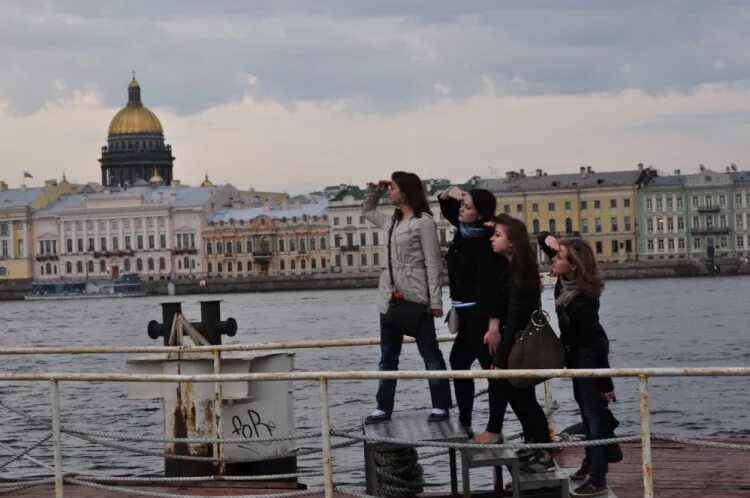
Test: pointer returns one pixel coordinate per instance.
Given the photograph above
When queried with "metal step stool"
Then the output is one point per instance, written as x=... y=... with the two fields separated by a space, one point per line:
x=497 y=458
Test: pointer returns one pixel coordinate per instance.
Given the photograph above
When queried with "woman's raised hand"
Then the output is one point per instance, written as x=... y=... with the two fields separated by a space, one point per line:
x=552 y=242
x=454 y=193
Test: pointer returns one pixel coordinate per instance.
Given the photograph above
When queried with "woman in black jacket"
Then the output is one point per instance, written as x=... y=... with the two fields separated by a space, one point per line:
x=577 y=292
x=519 y=298
x=472 y=276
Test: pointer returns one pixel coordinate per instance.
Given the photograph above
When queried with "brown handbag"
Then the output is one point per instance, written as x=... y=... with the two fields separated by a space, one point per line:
x=536 y=347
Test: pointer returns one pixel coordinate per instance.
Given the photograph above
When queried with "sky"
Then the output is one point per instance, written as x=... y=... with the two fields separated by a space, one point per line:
x=294 y=95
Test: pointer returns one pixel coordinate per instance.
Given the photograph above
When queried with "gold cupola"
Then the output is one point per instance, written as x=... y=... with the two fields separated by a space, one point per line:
x=206 y=182
x=135 y=118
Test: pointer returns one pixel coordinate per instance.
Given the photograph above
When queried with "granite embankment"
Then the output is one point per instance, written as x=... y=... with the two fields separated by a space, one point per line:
x=13 y=290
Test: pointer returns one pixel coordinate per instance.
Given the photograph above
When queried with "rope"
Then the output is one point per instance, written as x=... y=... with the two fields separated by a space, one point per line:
x=29 y=458
x=19 y=455
x=125 y=437
x=700 y=442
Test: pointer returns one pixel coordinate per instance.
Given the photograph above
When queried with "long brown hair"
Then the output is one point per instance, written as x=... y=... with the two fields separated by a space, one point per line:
x=524 y=267
x=588 y=277
x=412 y=189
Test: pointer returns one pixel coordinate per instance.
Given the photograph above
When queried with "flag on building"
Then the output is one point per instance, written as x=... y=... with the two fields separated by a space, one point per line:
x=26 y=174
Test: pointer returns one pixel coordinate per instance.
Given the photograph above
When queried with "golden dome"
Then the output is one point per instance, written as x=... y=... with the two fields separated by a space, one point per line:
x=156 y=178
x=135 y=118
x=207 y=182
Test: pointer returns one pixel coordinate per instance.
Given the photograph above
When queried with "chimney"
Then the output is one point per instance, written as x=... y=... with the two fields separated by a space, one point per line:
x=508 y=176
x=583 y=172
x=538 y=173
x=521 y=173
x=23 y=187
x=701 y=167
x=728 y=169
x=677 y=172
x=640 y=166
x=733 y=166
x=3 y=186
x=588 y=169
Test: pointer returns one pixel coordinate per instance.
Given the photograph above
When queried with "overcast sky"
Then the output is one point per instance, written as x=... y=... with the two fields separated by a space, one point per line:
x=299 y=94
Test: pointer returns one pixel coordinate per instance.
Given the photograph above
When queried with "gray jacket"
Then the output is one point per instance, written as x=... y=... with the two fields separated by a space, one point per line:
x=415 y=256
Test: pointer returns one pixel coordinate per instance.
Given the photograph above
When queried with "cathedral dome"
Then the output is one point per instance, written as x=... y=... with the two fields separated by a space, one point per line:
x=135 y=118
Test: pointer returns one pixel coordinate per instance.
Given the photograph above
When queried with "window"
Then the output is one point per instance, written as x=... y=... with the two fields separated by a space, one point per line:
x=696 y=243
x=281 y=245
x=739 y=222
x=363 y=239
x=139 y=264
x=626 y=203
x=323 y=262
x=249 y=246
x=376 y=259
x=708 y=201
x=680 y=243
x=597 y=204
x=127 y=243
x=323 y=241
x=670 y=244
x=249 y=266
x=567 y=205
x=649 y=204
x=599 y=247
x=219 y=268
x=723 y=221
x=68 y=267
x=584 y=205
x=519 y=208
x=584 y=225
x=69 y=245
x=209 y=248
x=670 y=204
x=361 y=220
x=79 y=243
x=695 y=224
x=102 y=266
x=349 y=260
x=613 y=205
x=670 y=224
x=660 y=245
x=695 y=201
x=722 y=200
x=115 y=244
x=348 y=222
x=292 y=245
x=335 y=220
x=151 y=243
x=551 y=206
x=568 y=225
x=209 y=268
x=598 y=225
x=740 y=241
x=628 y=224
x=337 y=260
x=659 y=203
x=282 y=265
x=238 y=250
x=628 y=246
x=724 y=242
x=127 y=265
x=613 y=222
x=738 y=199
x=229 y=247
x=650 y=225
x=303 y=264
x=229 y=267
x=151 y=264
x=140 y=242
x=375 y=240
x=313 y=263
x=163 y=264
x=363 y=259
x=535 y=226
x=679 y=202
x=615 y=247
x=535 y=207
x=103 y=243
x=680 y=223
x=79 y=267
x=506 y=208
x=349 y=239
x=659 y=224
x=552 y=225
x=185 y=262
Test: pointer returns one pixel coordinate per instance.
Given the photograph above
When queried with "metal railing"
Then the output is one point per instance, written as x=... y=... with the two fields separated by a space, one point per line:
x=325 y=377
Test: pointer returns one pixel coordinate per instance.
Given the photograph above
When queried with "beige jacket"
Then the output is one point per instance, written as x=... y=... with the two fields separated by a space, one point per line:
x=415 y=256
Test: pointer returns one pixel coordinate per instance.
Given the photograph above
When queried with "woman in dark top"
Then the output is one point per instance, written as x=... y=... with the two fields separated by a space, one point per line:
x=519 y=298
x=577 y=292
x=472 y=276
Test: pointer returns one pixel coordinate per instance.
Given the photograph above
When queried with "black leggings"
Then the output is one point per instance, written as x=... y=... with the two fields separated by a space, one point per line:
x=468 y=347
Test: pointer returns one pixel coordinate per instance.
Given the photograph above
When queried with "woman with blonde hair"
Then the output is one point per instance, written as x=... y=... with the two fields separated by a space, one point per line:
x=577 y=291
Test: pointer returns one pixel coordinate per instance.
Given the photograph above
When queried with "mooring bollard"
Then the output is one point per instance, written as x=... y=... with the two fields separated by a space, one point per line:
x=211 y=325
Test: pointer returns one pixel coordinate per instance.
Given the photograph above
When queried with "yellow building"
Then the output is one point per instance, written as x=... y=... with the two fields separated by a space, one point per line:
x=16 y=206
x=600 y=207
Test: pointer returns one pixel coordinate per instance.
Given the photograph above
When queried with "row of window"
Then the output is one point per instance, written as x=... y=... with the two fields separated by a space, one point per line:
x=668 y=202
x=614 y=225
x=670 y=245
x=150 y=264
x=135 y=145
x=231 y=267
x=567 y=205
x=265 y=246
x=338 y=241
x=4 y=228
x=161 y=221
x=708 y=222
x=77 y=245
x=362 y=260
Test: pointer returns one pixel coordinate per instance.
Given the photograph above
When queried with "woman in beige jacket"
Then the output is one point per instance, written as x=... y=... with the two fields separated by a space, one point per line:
x=409 y=295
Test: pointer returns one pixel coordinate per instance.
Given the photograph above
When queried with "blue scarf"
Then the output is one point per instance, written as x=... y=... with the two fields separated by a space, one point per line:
x=472 y=232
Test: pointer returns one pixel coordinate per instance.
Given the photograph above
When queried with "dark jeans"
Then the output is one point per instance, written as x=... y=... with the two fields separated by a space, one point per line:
x=468 y=347
x=391 y=340
x=594 y=411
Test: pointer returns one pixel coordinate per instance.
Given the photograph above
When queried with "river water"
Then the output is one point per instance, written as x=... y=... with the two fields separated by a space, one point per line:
x=668 y=322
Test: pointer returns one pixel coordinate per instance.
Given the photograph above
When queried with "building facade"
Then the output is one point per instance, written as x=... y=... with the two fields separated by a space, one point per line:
x=154 y=231
x=16 y=209
x=601 y=207
x=701 y=216
x=267 y=238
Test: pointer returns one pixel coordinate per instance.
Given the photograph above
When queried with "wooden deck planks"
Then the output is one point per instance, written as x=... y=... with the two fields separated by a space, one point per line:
x=72 y=491
x=680 y=471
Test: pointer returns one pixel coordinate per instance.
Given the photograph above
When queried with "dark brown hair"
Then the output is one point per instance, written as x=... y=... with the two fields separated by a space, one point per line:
x=413 y=191
x=524 y=267
x=588 y=277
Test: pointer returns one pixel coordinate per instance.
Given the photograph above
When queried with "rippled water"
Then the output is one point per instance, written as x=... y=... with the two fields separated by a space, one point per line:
x=672 y=322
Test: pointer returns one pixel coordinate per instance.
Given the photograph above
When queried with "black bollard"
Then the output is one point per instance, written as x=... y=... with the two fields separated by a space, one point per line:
x=211 y=326
x=156 y=329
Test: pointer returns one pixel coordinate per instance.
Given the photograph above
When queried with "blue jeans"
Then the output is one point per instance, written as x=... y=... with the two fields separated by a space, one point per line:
x=390 y=350
x=593 y=406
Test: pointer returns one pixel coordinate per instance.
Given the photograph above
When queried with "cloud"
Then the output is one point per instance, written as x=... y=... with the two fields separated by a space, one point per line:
x=378 y=56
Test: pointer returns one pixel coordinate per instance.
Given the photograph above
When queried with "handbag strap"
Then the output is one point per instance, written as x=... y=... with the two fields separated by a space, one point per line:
x=390 y=265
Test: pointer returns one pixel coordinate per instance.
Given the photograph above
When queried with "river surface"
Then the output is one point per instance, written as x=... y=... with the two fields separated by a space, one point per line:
x=651 y=323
